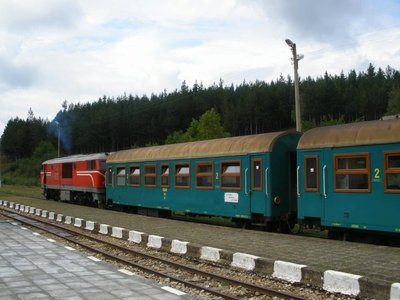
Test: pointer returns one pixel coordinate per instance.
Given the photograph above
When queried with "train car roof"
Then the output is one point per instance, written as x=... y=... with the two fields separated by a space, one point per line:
x=208 y=148
x=352 y=134
x=77 y=157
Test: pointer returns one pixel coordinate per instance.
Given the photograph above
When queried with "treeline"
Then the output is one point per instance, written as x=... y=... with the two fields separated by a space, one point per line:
x=21 y=137
x=127 y=121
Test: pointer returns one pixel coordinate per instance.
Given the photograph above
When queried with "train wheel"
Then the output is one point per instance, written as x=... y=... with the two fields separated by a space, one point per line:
x=47 y=195
x=284 y=227
x=101 y=204
x=336 y=235
x=242 y=223
x=393 y=241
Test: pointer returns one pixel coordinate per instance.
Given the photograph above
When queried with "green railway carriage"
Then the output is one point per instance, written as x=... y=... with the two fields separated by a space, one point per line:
x=349 y=177
x=246 y=178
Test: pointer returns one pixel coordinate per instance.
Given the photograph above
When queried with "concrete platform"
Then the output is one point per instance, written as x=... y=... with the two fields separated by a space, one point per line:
x=34 y=267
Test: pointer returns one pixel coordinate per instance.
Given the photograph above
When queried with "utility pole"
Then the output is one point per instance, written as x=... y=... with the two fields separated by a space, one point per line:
x=296 y=59
x=0 y=162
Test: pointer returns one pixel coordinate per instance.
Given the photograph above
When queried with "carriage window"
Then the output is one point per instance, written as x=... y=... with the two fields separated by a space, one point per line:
x=231 y=175
x=150 y=175
x=182 y=176
x=311 y=170
x=352 y=173
x=121 y=176
x=204 y=175
x=257 y=174
x=66 y=170
x=164 y=175
x=109 y=176
x=134 y=175
x=90 y=165
x=392 y=172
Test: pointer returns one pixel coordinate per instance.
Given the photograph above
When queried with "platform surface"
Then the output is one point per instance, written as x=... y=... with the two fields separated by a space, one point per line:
x=35 y=267
x=378 y=267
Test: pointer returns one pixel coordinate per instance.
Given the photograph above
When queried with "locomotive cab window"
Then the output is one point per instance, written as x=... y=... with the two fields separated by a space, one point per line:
x=90 y=165
x=204 y=175
x=311 y=179
x=257 y=175
x=164 y=175
x=121 y=173
x=66 y=170
x=392 y=172
x=352 y=173
x=182 y=176
x=150 y=175
x=231 y=175
x=134 y=175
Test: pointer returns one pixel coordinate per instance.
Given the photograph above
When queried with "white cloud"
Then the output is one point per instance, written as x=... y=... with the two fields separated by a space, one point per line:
x=29 y=17
x=51 y=51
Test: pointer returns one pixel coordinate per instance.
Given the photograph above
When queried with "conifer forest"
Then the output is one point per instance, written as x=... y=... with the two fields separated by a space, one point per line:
x=120 y=122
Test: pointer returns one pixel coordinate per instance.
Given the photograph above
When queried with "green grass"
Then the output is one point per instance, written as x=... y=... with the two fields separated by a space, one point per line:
x=8 y=191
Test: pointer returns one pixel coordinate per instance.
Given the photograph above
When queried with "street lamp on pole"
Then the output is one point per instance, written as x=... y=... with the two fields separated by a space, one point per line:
x=296 y=59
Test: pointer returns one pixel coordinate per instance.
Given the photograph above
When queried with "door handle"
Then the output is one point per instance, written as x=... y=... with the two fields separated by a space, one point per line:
x=298 y=183
x=266 y=182
x=245 y=181
x=324 y=181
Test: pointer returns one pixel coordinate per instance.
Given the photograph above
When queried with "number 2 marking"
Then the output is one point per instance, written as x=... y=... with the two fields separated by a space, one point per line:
x=377 y=173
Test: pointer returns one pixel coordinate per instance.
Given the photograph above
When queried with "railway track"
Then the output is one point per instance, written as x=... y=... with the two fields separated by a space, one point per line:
x=190 y=276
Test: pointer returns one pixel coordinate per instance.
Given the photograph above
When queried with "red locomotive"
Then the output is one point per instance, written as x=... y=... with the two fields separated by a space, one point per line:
x=76 y=178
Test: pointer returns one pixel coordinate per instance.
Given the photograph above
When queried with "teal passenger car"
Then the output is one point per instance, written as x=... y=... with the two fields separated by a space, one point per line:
x=246 y=178
x=349 y=178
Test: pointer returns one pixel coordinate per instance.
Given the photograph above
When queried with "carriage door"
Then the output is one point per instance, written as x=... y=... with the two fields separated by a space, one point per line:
x=109 y=183
x=44 y=168
x=311 y=190
x=258 y=195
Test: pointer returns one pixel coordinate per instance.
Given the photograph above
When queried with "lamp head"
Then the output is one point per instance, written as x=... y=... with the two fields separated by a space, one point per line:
x=289 y=43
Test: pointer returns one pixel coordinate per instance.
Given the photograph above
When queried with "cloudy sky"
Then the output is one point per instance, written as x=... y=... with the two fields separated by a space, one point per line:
x=80 y=50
